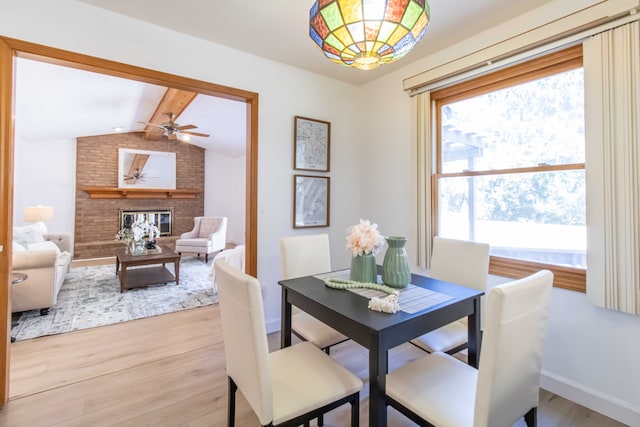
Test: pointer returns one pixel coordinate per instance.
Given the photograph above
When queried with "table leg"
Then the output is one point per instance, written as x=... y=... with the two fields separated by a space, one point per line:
x=474 y=334
x=378 y=361
x=123 y=277
x=176 y=267
x=117 y=265
x=285 y=330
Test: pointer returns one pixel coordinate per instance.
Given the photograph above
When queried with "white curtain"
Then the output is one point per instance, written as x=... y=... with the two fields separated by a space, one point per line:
x=422 y=118
x=612 y=115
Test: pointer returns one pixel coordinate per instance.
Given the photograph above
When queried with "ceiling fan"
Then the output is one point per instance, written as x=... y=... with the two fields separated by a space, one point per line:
x=173 y=129
x=137 y=175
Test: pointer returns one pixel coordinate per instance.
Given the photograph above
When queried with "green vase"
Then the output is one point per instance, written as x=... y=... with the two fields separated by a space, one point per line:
x=395 y=266
x=363 y=269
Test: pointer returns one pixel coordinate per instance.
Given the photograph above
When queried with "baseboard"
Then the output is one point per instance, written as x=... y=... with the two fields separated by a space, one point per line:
x=595 y=400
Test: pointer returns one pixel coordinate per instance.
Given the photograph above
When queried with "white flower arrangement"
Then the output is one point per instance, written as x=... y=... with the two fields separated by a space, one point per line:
x=364 y=238
x=138 y=230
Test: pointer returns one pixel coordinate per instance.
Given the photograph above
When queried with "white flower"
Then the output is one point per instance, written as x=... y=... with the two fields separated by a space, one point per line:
x=138 y=230
x=364 y=238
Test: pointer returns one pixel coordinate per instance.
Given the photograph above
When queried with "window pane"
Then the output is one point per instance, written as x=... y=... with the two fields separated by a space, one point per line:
x=537 y=122
x=536 y=217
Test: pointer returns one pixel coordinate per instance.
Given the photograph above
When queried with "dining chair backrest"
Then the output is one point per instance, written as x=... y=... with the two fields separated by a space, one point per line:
x=305 y=255
x=245 y=337
x=460 y=262
x=510 y=360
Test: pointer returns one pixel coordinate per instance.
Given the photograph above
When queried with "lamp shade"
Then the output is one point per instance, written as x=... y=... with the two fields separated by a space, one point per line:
x=38 y=213
x=367 y=33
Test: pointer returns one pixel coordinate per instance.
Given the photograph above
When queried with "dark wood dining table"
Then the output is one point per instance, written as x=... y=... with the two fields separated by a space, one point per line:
x=348 y=313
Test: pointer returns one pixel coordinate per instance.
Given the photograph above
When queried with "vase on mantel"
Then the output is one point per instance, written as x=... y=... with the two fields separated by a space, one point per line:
x=395 y=266
x=363 y=269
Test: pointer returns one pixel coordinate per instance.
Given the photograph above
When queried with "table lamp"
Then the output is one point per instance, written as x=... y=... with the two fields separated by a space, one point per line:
x=39 y=214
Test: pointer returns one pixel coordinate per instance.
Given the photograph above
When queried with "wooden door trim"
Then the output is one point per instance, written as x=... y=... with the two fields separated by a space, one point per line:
x=10 y=48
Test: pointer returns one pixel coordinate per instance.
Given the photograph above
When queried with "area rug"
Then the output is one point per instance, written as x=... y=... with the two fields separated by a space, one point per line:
x=90 y=297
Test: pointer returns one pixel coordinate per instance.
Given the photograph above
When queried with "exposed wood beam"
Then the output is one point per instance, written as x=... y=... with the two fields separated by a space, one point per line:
x=174 y=101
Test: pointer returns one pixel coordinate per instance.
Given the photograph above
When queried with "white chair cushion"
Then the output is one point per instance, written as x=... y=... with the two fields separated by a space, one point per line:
x=304 y=378
x=445 y=338
x=314 y=330
x=439 y=388
x=196 y=242
x=208 y=226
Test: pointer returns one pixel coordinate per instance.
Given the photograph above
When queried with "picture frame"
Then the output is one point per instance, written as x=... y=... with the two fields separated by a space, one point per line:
x=146 y=169
x=312 y=144
x=311 y=197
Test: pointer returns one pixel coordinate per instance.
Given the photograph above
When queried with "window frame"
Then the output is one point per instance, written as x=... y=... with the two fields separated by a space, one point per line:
x=568 y=59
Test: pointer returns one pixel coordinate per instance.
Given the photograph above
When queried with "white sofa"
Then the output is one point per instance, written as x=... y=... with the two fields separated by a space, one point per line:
x=46 y=263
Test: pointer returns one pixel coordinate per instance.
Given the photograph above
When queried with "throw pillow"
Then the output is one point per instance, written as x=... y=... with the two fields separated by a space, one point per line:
x=27 y=234
x=208 y=226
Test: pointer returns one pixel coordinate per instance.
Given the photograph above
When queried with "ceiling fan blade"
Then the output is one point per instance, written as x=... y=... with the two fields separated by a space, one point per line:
x=196 y=134
x=185 y=127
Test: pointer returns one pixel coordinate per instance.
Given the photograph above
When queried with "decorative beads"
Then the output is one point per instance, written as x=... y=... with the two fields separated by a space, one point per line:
x=350 y=284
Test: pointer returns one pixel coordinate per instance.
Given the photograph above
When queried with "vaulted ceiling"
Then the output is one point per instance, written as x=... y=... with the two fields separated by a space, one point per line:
x=55 y=102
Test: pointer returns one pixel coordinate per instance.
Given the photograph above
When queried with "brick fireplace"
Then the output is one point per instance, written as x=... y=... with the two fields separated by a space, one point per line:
x=97 y=220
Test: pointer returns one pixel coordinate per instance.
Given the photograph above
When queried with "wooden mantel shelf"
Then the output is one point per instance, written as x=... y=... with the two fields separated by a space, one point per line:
x=139 y=193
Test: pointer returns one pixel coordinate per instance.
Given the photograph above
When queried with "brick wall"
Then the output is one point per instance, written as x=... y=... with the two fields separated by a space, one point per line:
x=97 y=220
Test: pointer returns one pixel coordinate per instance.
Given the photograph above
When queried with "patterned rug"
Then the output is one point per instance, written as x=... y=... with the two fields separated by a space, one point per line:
x=90 y=297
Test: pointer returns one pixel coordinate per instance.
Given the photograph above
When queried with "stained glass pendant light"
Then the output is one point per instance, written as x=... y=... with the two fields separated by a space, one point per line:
x=367 y=33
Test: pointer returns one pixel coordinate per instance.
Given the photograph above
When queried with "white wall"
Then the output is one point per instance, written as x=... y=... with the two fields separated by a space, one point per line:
x=225 y=192
x=590 y=354
x=283 y=93
x=45 y=174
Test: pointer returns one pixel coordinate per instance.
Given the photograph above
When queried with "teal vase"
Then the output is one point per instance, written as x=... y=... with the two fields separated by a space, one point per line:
x=363 y=269
x=395 y=266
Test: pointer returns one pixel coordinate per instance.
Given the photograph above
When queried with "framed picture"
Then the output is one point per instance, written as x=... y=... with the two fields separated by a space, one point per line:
x=310 y=201
x=311 y=144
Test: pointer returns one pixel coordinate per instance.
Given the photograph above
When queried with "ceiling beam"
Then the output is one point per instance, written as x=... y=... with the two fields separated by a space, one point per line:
x=135 y=171
x=174 y=101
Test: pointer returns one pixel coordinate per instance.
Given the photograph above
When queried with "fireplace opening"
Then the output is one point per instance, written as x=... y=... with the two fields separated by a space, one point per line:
x=161 y=217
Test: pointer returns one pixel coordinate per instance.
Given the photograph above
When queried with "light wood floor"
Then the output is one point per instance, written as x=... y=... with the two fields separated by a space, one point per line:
x=169 y=371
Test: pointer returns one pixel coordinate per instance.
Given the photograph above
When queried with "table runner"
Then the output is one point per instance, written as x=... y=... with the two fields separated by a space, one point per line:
x=412 y=298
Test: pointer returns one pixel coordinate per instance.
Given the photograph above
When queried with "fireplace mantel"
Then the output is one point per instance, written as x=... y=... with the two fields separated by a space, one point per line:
x=139 y=193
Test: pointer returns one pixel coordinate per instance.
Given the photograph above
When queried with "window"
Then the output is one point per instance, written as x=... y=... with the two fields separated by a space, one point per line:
x=509 y=170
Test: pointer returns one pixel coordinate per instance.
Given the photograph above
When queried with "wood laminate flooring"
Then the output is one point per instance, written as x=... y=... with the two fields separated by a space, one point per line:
x=169 y=371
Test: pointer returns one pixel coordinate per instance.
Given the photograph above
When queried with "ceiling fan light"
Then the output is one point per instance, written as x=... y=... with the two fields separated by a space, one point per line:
x=185 y=137
x=367 y=33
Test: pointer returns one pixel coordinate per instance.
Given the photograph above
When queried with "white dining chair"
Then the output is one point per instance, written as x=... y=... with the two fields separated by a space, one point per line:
x=235 y=257
x=463 y=263
x=288 y=387
x=445 y=392
x=304 y=256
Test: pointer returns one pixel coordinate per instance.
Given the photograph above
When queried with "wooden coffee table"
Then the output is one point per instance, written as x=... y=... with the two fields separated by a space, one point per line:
x=139 y=277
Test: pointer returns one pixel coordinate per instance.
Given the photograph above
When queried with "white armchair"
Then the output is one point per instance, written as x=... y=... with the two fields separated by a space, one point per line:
x=209 y=235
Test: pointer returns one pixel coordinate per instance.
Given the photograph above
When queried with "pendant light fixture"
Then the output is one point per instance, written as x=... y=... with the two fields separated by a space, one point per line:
x=367 y=33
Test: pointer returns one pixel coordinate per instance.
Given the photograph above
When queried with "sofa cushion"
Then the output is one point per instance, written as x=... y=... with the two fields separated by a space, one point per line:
x=27 y=234
x=43 y=246
x=208 y=226
x=17 y=247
